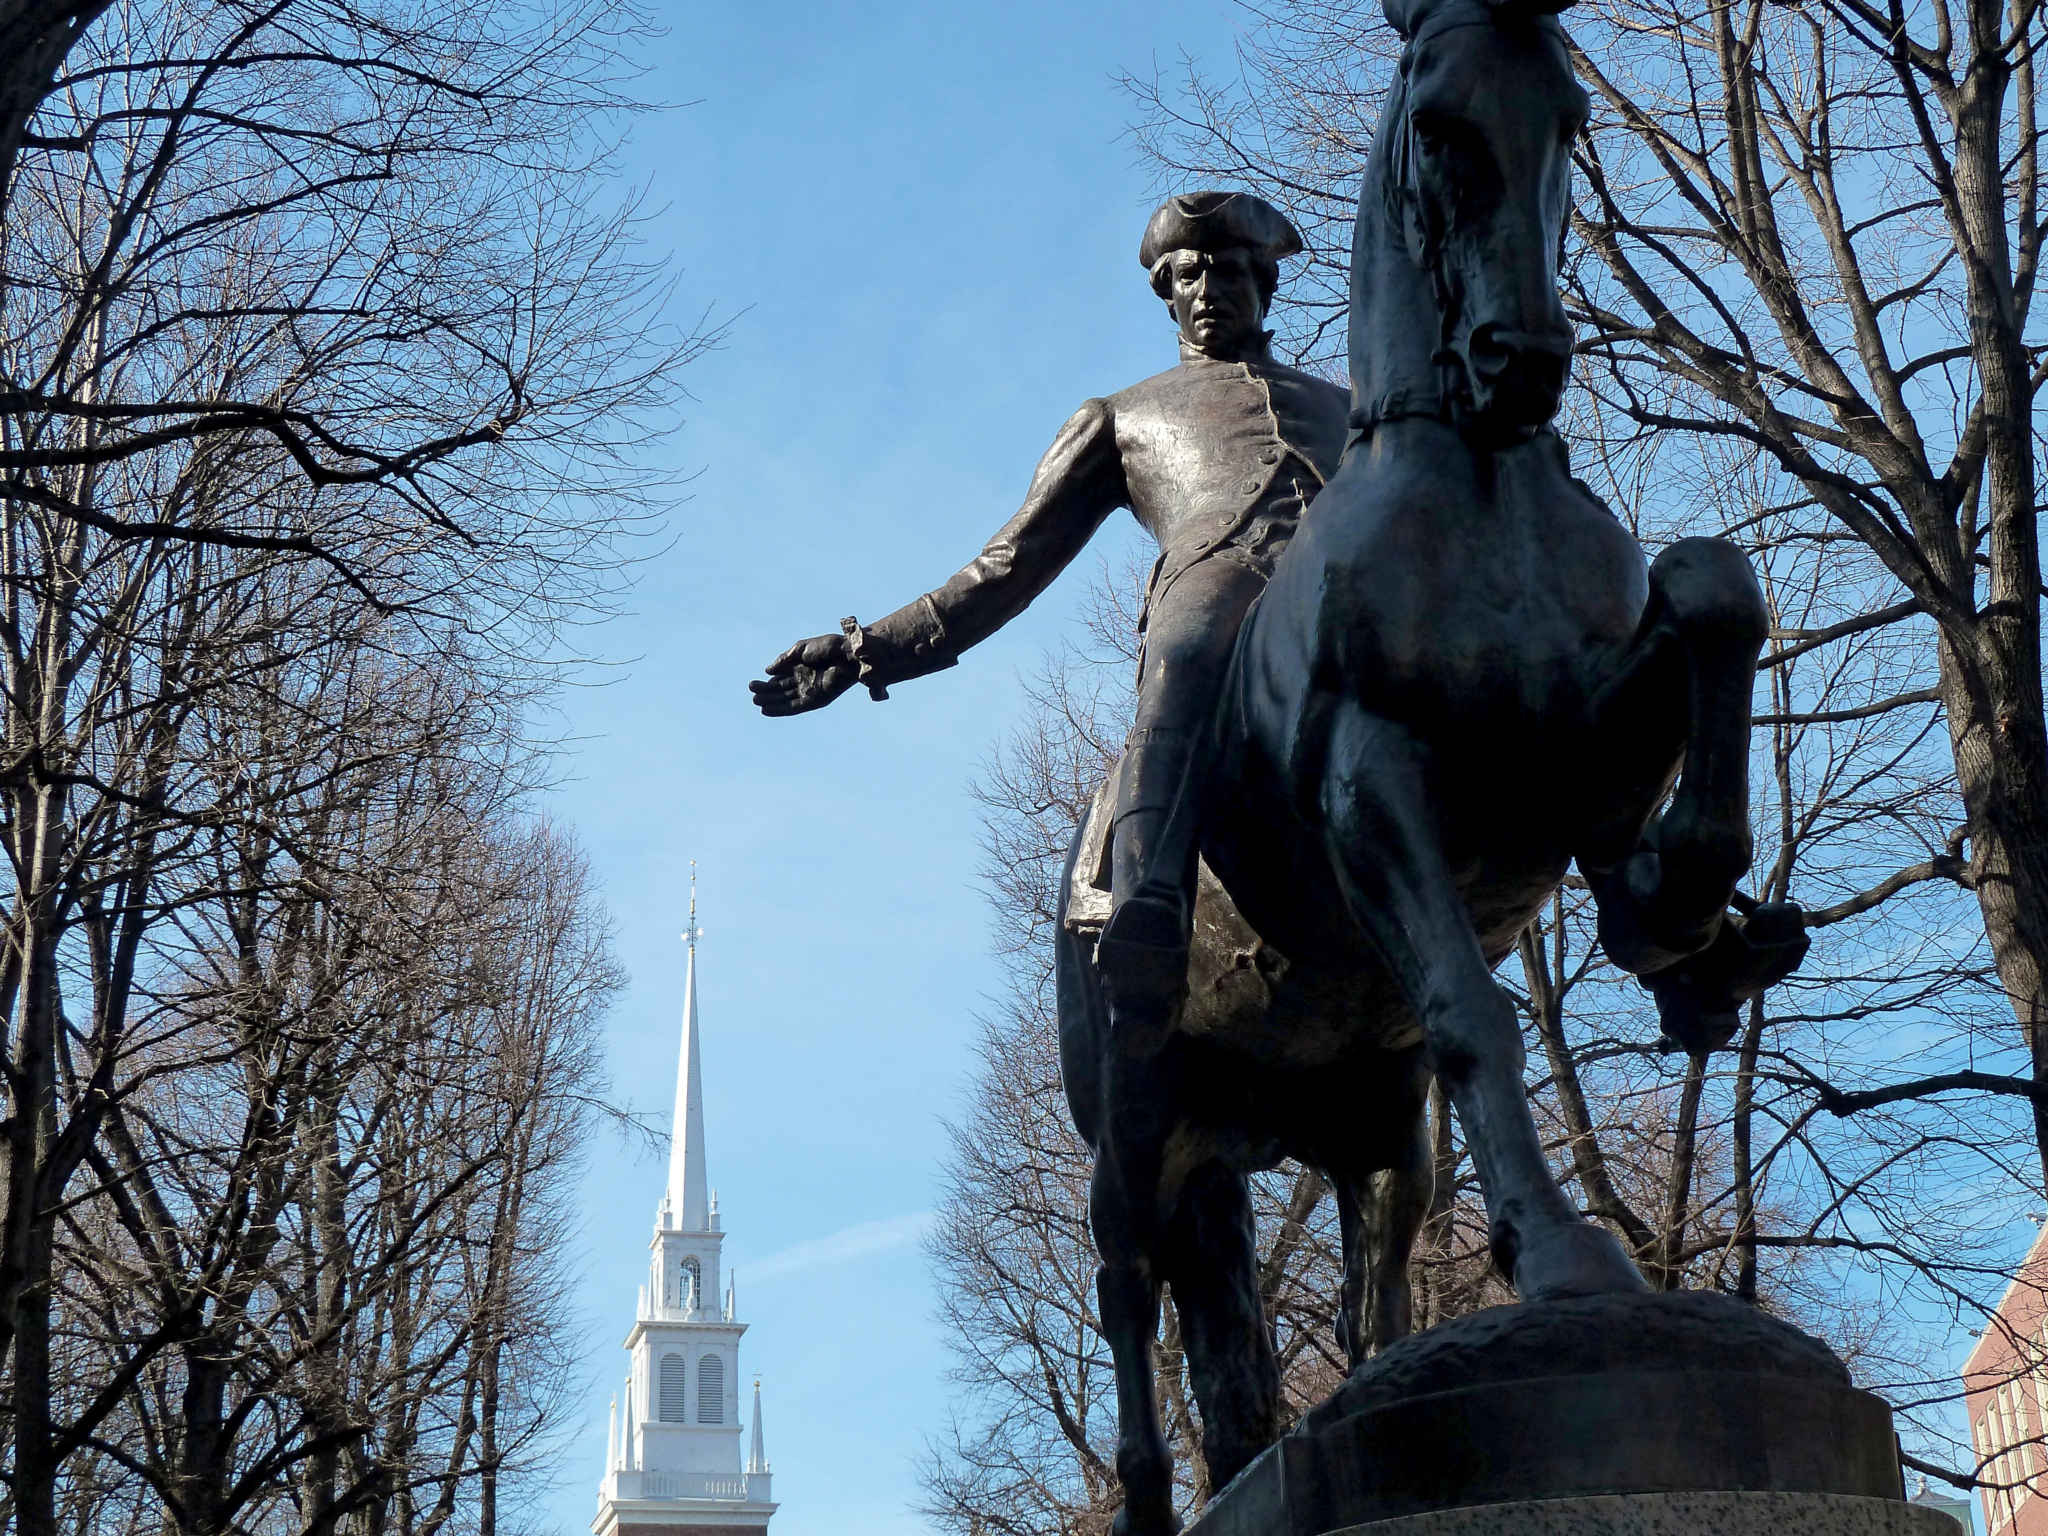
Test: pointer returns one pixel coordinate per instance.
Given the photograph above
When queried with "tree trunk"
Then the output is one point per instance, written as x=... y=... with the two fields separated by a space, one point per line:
x=1994 y=723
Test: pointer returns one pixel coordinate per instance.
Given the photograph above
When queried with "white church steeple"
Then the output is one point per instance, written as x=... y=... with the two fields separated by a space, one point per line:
x=673 y=1458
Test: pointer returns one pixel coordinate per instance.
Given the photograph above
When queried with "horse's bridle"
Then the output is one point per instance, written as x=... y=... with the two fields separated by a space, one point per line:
x=1423 y=243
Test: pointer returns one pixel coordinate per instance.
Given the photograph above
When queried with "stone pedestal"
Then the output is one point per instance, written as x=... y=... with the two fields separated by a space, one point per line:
x=1677 y=1514
x=1553 y=1410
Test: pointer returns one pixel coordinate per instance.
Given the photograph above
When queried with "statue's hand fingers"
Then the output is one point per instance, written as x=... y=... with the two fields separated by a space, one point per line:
x=775 y=696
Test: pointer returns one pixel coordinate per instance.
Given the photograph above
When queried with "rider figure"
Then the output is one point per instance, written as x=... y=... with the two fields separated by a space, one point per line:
x=1217 y=458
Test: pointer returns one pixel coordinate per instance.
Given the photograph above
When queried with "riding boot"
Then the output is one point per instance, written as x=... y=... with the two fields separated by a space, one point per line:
x=1143 y=951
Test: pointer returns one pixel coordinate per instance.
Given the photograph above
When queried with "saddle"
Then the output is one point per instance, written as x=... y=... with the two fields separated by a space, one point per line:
x=1088 y=900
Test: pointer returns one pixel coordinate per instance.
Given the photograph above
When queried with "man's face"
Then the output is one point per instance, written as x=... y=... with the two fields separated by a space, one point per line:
x=1215 y=298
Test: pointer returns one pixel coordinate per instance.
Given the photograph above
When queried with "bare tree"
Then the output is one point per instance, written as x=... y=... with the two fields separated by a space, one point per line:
x=395 y=197
x=312 y=1241
x=321 y=362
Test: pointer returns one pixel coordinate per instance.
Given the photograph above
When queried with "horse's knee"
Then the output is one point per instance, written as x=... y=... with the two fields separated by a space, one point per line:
x=1473 y=1024
x=1113 y=1220
x=1711 y=593
x=1128 y=1297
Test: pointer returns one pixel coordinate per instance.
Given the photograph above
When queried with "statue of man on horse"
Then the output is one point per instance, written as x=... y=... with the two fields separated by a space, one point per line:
x=1461 y=677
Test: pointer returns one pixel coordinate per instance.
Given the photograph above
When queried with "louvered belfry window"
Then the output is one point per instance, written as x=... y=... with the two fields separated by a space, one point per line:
x=673 y=1378
x=710 y=1390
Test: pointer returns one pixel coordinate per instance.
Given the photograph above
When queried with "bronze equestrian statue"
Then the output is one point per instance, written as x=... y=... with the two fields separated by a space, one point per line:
x=1461 y=677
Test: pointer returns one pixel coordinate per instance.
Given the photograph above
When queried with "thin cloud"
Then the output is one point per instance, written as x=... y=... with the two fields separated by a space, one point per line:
x=855 y=1242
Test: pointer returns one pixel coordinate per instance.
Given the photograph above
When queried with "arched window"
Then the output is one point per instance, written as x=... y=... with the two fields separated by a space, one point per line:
x=710 y=1390
x=692 y=1289
x=673 y=1378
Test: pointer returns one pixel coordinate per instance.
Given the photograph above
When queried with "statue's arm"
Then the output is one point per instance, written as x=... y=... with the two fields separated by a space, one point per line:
x=1078 y=483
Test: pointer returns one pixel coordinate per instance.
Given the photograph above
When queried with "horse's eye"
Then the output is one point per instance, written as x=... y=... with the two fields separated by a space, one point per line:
x=1436 y=133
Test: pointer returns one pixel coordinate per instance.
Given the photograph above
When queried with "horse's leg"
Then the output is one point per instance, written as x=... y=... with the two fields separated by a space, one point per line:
x=1379 y=1216
x=1400 y=1204
x=1663 y=889
x=1119 y=1108
x=1215 y=1280
x=1124 y=1202
x=1379 y=832
x=1681 y=697
x=1354 y=1229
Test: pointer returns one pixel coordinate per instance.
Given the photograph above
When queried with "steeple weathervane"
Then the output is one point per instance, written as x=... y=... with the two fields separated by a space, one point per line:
x=693 y=933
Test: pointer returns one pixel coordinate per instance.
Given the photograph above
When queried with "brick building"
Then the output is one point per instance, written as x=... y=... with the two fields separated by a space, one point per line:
x=2005 y=1385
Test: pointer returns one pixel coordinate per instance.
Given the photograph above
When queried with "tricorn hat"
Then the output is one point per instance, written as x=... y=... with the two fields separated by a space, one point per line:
x=1215 y=221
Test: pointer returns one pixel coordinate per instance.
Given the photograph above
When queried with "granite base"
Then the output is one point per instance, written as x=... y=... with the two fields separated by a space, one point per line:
x=1676 y=1514
x=1560 y=1407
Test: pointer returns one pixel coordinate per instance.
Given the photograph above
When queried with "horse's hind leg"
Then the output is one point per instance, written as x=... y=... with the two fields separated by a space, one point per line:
x=1379 y=831
x=1124 y=1204
x=1128 y=1295
x=1215 y=1280
x=1683 y=692
x=1380 y=1215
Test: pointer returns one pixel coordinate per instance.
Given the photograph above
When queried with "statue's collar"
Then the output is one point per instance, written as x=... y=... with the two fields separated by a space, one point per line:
x=1263 y=357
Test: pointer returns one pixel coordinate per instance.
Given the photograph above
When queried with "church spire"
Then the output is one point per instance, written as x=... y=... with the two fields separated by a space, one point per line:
x=757 y=1458
x=689 y=1208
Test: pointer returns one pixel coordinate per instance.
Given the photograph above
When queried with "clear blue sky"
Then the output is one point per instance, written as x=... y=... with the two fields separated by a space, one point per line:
x=930 y=215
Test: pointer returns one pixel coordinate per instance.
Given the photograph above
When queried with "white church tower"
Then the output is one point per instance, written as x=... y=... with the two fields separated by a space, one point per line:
x=673 y=1463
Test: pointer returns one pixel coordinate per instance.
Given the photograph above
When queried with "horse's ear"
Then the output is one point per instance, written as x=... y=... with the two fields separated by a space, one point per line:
x=1406 y=16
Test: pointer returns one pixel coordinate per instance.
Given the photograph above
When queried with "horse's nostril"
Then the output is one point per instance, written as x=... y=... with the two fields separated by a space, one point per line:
x=1490 y=351
x=1494 y=347
x=1519 y=372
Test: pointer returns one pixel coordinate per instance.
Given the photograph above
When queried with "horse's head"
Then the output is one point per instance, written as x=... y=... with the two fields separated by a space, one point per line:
x=1480 y=179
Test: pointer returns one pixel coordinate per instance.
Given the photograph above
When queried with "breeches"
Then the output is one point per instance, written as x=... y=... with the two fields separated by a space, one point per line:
x=1188 y=639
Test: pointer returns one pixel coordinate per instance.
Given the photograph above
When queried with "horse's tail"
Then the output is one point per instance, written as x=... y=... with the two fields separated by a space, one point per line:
x=1083 y=1006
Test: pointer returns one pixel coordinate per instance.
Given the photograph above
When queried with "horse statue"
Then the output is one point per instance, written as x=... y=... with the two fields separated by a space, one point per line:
x=1463 y=677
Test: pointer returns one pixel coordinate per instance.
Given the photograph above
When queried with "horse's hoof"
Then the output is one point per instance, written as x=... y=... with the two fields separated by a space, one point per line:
x=1699 y=998
x=1572 y=1258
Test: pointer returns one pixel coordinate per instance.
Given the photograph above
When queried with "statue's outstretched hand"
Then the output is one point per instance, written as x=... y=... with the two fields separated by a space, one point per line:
x=809 y=675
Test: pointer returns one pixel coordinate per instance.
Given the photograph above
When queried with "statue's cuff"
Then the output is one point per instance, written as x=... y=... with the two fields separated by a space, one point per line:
x=863 y=657
x=898 y=646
